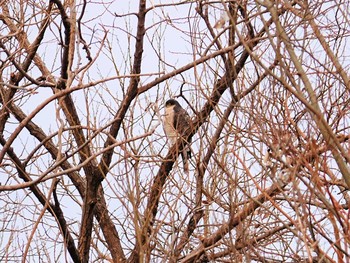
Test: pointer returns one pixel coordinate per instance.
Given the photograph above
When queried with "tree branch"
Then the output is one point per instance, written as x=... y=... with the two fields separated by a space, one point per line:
x=132 y=91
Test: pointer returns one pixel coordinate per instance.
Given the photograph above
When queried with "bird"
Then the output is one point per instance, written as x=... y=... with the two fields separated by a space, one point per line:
x=176 y=122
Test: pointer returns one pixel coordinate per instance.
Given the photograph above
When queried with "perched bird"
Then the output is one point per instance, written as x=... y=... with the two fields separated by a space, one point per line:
x=176 y=123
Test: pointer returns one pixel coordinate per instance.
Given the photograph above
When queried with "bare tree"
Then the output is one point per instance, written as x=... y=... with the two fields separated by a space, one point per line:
x=87 y=174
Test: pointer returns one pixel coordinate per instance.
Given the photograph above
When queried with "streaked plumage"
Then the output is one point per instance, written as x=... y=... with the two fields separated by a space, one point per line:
x=176 y=123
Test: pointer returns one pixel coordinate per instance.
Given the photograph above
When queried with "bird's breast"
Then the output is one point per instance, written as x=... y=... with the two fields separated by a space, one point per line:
x=169 y=123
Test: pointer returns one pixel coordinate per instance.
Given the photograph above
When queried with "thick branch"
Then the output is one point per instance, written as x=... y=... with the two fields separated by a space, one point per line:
x=92 y=185
x=66 y=45
x=101 y=211
x=103 y=167
x=132 y=89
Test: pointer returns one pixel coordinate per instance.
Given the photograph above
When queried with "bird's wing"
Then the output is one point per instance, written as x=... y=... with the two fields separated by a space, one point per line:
x=182 y=121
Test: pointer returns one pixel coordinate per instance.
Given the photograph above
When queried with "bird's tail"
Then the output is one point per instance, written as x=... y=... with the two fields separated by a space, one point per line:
x=186 y=155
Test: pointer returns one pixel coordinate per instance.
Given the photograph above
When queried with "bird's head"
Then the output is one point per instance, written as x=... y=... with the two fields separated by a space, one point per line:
x=171 y=103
